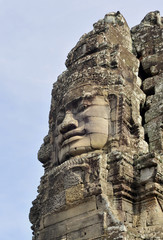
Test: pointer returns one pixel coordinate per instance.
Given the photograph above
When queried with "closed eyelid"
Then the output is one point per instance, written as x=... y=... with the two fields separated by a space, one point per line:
x=73 y=105
x=82 y=107
x=85 y=103
x=59 y=120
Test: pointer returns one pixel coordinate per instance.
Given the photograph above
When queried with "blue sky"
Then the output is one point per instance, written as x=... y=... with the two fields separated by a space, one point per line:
x=36 y=36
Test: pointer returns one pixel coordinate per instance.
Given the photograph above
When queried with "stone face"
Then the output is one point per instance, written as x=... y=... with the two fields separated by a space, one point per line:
x=103 y=155
x=79 y=125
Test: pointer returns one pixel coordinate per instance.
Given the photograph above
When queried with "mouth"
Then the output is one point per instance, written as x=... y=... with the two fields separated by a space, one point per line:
x=72 y=135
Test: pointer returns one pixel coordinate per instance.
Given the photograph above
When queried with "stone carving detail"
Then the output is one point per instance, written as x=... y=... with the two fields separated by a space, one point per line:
x=82 y=126
x=103 y=152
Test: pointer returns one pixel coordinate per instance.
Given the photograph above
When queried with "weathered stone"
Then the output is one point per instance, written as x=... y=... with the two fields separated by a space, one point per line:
x=45 y=151
x=103 y=154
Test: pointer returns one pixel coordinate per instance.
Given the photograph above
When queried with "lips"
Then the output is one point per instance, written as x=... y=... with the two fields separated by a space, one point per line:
x=72 y=135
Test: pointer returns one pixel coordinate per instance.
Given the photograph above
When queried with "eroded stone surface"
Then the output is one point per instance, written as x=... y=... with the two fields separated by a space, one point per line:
x=103 y=152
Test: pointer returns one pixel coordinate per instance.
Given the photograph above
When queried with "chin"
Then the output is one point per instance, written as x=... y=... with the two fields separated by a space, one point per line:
x=73 y=152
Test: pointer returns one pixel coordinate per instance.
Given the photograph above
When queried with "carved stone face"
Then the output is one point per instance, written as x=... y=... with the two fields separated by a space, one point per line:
x=81 y=127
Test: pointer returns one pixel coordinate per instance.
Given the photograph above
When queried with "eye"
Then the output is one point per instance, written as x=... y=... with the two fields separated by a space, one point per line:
x=82 y=107
x=60 y=119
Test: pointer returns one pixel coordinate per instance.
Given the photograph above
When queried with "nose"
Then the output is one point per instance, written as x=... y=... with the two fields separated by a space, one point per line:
x=69 y=123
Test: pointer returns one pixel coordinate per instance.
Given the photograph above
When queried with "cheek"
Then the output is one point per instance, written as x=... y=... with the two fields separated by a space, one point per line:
x=58 y=140
x=57 y=131
x=63 y=152
x=101 y=111
x=96 y=131
x=96 y=125
x=98 y=140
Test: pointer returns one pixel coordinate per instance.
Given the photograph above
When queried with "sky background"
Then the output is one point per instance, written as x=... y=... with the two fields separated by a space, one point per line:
x=35 y=38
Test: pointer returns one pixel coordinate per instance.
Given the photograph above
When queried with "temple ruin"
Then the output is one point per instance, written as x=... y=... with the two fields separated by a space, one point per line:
x=103 y=155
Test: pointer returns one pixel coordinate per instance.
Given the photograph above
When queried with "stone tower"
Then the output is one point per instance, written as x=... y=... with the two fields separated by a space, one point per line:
x=103 y=154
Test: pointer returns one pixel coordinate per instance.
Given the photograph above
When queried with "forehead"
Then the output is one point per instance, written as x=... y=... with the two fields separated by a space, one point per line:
x=86 y=92
x=78 y=94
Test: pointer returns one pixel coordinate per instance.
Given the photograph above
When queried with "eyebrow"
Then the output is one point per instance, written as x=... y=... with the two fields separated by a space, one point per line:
x=73 y=103
x=77 y=102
